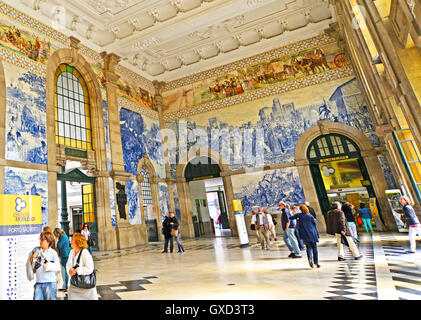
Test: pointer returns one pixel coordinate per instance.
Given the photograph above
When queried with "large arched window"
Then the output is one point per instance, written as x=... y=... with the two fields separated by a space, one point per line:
x=72 y=109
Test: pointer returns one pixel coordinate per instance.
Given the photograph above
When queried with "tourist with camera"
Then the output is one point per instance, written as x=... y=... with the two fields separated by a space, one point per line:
x=80 y=267
x=43 y=263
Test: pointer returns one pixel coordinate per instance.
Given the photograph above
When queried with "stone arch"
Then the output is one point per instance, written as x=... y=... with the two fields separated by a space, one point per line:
x=147 y=163
x=73 y=58
x=368 y=154
x=96 y=162
x=2 y=124
x=183 y=188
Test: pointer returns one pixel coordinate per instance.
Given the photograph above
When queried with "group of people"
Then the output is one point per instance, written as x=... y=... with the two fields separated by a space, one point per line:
x=298 y=225
x=56 y=260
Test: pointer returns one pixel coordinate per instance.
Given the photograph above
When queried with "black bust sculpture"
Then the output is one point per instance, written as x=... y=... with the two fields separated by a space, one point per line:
x=121 y=200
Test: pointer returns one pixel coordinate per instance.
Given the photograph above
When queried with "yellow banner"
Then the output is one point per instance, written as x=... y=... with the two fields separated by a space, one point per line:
x=237 y=205
x=18 y=210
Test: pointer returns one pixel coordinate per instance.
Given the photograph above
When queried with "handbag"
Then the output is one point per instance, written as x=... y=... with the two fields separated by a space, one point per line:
x=253 y=227
x=360 y=221
x=91 y=241
x=83 y=281
x=174 y=232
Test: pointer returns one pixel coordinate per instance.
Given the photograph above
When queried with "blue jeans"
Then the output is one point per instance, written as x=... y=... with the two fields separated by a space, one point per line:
x=45 y=291
x=64 y=274
x=180 y=246
x=312 y=252
x=171 y=240
x=297 y=236
x=291 y=241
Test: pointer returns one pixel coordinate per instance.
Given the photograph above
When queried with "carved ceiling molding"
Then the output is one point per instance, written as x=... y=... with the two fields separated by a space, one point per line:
x=164 y=39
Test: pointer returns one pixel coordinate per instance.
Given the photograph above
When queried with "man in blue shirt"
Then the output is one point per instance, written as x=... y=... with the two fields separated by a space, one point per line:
x=288 y=226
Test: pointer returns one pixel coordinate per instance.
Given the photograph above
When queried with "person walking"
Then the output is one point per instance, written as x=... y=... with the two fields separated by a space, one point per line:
x=288 y=226
x=42 y=264
x=309 y=234
x=80 y=262
x=272 y=231
x=347 y=208
x=312 y=212
x=412 y=221
x=366 y=216
x=168 y=223
x=253 y=225
x=262 y=224
x=63 y=246
x=86 y=233
x=297 y=227
x=338 y=226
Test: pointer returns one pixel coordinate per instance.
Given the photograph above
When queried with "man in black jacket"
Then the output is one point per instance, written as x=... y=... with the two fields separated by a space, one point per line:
x=170 y=222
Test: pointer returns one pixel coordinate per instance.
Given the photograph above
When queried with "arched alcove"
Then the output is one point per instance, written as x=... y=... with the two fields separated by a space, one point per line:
x=368 y=155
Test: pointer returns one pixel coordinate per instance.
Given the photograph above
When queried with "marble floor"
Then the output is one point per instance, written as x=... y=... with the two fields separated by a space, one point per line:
x=218 y=269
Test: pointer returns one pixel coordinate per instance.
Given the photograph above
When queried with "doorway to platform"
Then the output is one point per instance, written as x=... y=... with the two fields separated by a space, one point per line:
x=339 y=173
x=207 y=193
x=76 y=201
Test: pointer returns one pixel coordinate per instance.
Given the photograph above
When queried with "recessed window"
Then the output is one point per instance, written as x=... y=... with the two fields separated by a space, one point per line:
x=145 y=187
x=72 y=109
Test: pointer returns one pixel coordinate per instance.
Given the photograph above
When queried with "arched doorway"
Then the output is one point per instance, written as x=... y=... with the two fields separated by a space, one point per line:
x=339 y=172
x=364 y=151
x=207 y=192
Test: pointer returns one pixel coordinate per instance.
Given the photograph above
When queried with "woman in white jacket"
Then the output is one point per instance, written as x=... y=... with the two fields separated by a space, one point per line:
x=86 y=267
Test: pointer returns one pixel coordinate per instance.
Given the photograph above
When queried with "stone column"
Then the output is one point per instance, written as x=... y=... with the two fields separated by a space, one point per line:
x=229 y=195
x=310 y=194
x=186 y=210
x=158 y=101
x=394 y=68
x=126 y=234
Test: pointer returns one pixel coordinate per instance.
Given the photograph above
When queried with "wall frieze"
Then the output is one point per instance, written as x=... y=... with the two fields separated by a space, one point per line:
x=261 y=93
x=319 y=40
x=125 y=103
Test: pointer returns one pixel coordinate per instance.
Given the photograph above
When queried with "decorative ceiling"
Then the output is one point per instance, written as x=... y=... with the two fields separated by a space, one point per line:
x=165 y=40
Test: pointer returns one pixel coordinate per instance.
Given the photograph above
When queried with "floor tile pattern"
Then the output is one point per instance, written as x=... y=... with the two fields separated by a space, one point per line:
x=219 y=269
x=404 y=267
x=355 y=279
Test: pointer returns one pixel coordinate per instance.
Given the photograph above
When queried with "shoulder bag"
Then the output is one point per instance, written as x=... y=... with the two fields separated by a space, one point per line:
x=174 y=233
x=83 y=281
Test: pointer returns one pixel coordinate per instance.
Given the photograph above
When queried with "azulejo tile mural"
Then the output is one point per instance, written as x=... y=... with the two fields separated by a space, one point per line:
x=132 y=191
x=140 y=136
x=270 y=128
x=265 y=189
x=390 y=180
x=286 y=69
x=107 y=135
x=28 y=182
x=26 y=136
x=112 y=202
x=317 y=41
x=164 y=199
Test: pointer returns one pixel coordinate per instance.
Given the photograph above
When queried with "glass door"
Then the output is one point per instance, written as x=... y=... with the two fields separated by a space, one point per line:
x=88 y=205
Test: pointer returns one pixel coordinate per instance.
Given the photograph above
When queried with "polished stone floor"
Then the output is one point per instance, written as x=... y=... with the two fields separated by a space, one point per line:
x=218 y=269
